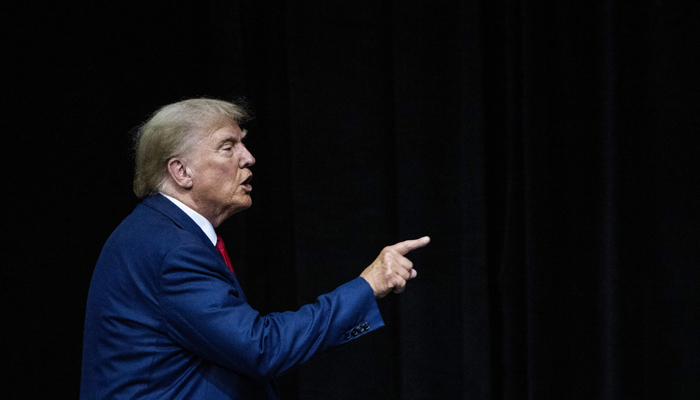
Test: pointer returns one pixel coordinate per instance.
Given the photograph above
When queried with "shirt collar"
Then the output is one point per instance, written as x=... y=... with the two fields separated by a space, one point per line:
x=203 y=223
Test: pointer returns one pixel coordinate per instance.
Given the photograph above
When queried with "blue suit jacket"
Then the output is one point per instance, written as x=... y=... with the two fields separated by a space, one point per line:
x=166 y=319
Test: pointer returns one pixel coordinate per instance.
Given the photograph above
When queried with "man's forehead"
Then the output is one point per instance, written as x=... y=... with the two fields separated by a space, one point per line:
x=227 y=132
x=213 y=138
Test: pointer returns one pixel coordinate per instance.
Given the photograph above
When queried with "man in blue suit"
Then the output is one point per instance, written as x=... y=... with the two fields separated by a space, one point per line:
x=166 y=317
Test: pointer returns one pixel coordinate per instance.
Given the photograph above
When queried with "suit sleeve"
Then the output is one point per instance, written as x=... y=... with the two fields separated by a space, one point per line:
x=204 y=313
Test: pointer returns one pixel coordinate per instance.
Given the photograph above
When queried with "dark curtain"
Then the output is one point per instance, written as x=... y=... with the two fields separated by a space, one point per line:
x=550 y=151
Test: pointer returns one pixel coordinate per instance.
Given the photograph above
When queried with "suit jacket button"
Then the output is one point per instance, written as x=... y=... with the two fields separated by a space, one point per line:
x=354 y=332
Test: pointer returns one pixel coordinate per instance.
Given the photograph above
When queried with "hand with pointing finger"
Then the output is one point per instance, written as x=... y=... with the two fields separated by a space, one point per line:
x=391 y=269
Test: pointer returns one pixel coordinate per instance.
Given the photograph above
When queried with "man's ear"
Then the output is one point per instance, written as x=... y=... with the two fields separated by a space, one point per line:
x=180 y=174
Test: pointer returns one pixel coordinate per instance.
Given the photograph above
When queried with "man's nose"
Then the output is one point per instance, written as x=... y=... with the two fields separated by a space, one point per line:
x=247 y=160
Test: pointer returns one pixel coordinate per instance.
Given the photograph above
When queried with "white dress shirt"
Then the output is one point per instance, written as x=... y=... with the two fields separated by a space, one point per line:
x=203 y=223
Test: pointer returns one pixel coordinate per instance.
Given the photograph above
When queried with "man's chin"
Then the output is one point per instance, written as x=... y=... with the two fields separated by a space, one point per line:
x=243 y=205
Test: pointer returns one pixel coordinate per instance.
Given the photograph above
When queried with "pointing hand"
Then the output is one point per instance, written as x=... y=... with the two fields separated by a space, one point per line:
x=391 y=269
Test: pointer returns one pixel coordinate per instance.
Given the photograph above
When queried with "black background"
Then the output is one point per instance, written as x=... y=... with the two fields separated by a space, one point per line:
x=549 y=151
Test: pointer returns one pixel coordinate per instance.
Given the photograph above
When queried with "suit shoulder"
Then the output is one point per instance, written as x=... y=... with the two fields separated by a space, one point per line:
x=145 y=237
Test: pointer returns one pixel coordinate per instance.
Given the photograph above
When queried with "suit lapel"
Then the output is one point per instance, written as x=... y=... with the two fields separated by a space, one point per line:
x=165 y=206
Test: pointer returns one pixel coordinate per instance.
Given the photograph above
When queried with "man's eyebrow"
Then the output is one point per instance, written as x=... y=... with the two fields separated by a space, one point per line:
x=232 y=139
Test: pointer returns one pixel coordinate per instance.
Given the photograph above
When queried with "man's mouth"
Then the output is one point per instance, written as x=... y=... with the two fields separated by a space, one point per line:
x=246 y=183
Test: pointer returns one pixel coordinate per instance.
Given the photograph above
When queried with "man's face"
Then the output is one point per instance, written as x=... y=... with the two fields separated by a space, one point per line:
x=220 y=174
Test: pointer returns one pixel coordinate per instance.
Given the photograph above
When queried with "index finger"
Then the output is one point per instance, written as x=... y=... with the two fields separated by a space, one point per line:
x=410 y=245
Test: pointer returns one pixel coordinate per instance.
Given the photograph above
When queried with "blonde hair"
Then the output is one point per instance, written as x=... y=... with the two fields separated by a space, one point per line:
x=172 y=131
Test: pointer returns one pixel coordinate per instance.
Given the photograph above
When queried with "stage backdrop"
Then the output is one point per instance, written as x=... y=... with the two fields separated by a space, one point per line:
x=550 y=152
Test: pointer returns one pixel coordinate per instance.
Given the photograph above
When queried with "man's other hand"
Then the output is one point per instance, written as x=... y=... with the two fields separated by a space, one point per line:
x=391 y=269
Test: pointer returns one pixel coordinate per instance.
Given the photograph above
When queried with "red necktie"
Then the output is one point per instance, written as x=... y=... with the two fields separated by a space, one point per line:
x=222 y=249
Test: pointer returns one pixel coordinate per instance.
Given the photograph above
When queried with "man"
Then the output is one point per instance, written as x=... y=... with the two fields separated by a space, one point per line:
x=166 y=317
